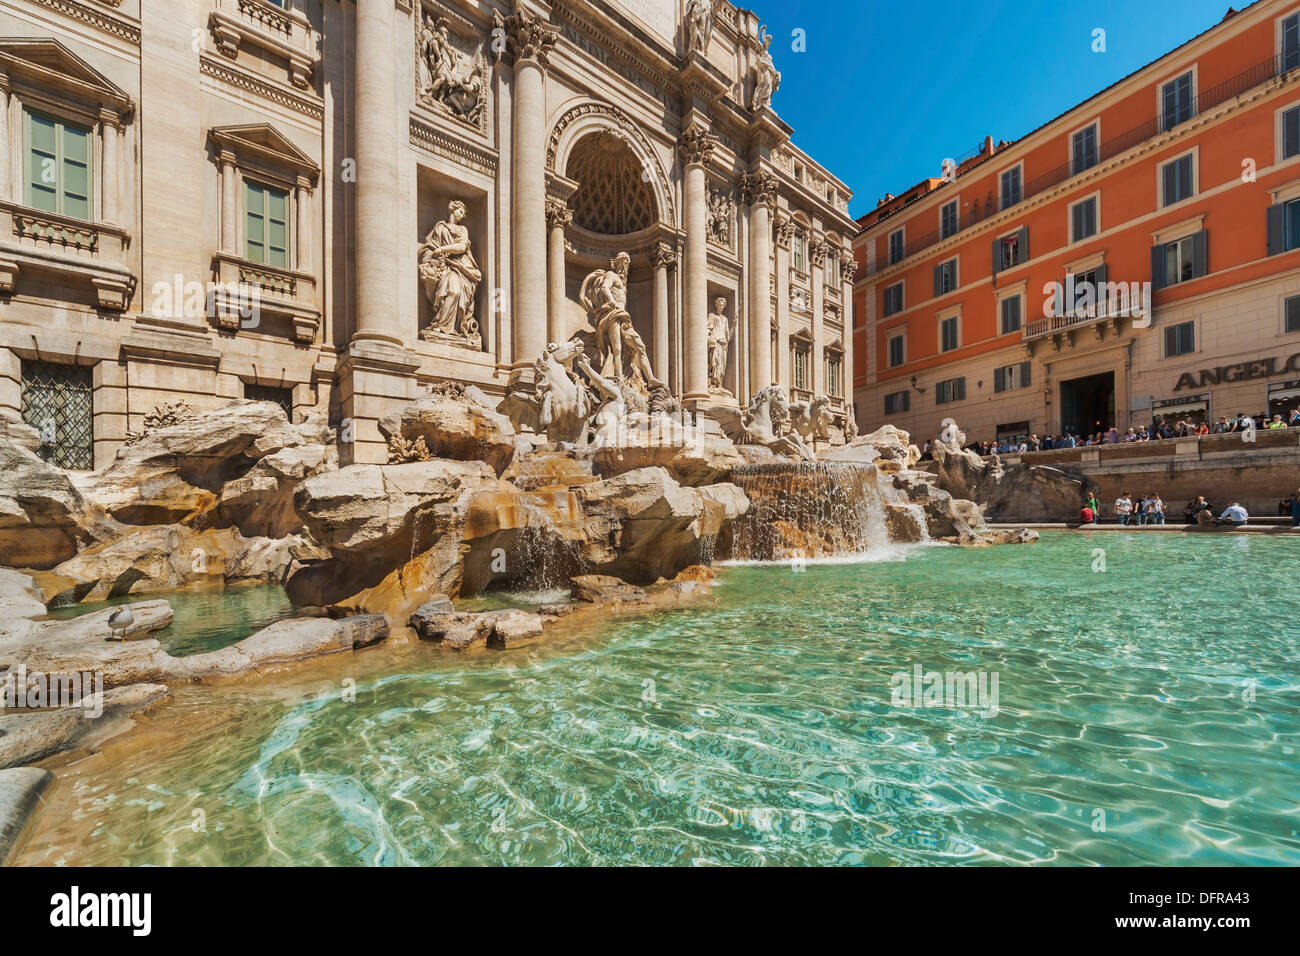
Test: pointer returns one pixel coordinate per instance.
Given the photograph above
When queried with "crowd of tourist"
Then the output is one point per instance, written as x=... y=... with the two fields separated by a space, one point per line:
x=1149 y=509
x=1157 y=431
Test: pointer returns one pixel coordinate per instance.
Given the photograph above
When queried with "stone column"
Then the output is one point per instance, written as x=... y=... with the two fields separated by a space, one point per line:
x=761 y=190
x=817 y=275
x=662 y=259
x=6 y=173
x=697 y=148
x=848 y=266
x=112 y=164
x=377 y=124
x=558 y=215
x=529 y=42
x=229 y=205
x=784 y=236
x=302 y=205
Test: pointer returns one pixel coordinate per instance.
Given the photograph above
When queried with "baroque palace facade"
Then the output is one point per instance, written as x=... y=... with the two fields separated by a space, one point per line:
x=1135 y=258
x=330 y=204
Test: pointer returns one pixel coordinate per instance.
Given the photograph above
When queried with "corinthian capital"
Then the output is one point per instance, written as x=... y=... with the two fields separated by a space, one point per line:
x=817 y=251
x=696 y=145
x=785 y=231
x=848 y=266
x=522 y=36
x=663 y=256
x=759 y=189
x=558 y=213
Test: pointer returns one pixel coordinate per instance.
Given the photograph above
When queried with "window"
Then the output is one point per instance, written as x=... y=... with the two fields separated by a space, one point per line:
x=800 y=254
x=801 y=368
x=953 y=390
x=945 y=277
x=832 y=268
x=1011 y=187
x=1010 y=377
x=896 y=402
x=58 y=176
x=893 y=299
x=1283 y=227
x=1180 y=339
x=1291 y=315
x=58 y=401
x=1177 y=180
x=949 y=334
x=1083 y=219
x=1291 y=42
x=948 y=219
x=266 y=224
x=897 y=353
x=1010 y=309
x=1176 y=101
x=1010 y=251
x=1083 y=150
x=1291 y=133
x=896 y=246
x=833 y=364
x=1184 y=259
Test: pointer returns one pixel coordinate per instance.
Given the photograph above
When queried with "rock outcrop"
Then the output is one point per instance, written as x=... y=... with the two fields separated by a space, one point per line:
x=458 y=423
x=1015 y=492
x=39 y=505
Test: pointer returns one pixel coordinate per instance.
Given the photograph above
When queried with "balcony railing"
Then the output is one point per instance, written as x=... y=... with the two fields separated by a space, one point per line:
x=1273 y=68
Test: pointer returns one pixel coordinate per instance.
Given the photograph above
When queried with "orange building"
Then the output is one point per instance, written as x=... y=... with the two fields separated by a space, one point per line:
x=1136 y=258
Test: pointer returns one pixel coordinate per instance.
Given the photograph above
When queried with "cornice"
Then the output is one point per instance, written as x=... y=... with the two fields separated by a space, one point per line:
x=118 y=26
x=227 y=73
x=455 y=148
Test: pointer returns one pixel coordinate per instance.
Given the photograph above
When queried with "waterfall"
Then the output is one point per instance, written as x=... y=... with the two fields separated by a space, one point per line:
x=808 y=509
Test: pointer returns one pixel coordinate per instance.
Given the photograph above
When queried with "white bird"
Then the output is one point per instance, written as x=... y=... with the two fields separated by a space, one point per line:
x=120 y=620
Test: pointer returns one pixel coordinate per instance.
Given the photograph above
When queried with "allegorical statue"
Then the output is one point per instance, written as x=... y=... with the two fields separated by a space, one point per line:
x=721 y=210
x=768 y=78
x=720 y=332
x=699 y=24
x=450 y=276
x=446 y=76
x=604 y=296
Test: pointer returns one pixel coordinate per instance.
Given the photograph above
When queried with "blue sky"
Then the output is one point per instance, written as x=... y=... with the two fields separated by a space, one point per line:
x=886 y=90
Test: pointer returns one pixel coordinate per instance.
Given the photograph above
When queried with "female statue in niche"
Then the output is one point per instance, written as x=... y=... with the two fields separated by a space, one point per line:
x=450 y=276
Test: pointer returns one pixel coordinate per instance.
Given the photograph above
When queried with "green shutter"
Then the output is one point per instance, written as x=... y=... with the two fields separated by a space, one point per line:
x=1199 y=255
x=1157 y=267
x=1291 y=133
x=57 y=166
x=1024 y=374
x=42 y=174
x=277 y=215
x=255 y=223
x=76 y=172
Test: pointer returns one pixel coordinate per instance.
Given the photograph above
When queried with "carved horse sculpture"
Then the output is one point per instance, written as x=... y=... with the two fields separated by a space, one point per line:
x=813 y=419
x=560 y=406
x=767 y=422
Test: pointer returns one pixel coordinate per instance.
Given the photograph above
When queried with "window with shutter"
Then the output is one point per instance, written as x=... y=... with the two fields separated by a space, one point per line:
x=1291 y=42
x=1010 y=187
x=999 y=380
x=1011 y=317
x=896 y=246
x=1024 y=374
x=1177 y=177
x=1291 y=225
x=1083 y=216
x=948 y=334
x=896 y=350
x=896 y=402
x=1084 y=150
x=948 y=219
x=266 y=227
x=893 y=299
x=1179 y=106
x=1291 y=319
x=1180 y=339
x=1291 y=133
x=57 y=177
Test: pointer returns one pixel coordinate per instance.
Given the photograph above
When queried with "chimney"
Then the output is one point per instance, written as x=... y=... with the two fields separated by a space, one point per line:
x=988 y=146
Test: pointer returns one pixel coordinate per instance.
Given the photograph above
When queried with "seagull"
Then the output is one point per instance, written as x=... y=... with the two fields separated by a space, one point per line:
x=120 y=620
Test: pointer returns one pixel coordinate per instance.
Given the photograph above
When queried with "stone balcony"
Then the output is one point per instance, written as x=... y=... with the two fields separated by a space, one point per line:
x=73 y=250
x=279 y=294
x=284 y=34
x=1108 y=315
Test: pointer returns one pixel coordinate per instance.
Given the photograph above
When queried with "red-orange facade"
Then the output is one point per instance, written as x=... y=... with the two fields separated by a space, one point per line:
x=1136 y=258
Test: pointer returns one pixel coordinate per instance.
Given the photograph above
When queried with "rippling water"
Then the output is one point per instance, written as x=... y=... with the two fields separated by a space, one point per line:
x=1146 y=714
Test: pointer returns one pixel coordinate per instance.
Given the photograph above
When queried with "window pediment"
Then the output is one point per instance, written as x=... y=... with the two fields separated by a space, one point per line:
x=49 y=67
x=263 y=147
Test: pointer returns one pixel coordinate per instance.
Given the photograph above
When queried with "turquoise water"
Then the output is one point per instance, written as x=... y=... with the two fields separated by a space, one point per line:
x=203 y=620
x=1147 y=714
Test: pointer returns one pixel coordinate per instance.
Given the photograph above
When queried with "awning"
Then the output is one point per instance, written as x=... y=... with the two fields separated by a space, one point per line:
x=1284 y=394
x=1177 y=408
